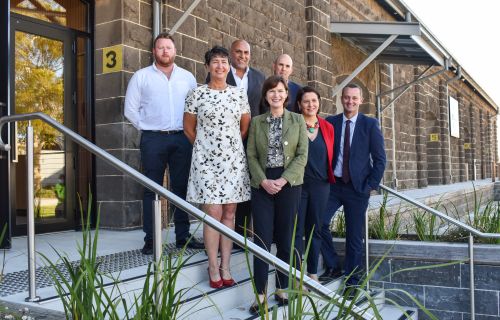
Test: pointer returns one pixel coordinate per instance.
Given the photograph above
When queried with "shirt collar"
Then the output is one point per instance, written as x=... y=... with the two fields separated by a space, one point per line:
x=233 y=70
x=353 y=119
x=156 y=68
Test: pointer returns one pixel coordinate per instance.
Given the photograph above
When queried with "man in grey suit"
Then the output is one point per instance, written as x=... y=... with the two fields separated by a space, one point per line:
x=244 y=76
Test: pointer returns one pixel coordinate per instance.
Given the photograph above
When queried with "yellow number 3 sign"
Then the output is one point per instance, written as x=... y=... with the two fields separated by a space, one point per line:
x=112 y=59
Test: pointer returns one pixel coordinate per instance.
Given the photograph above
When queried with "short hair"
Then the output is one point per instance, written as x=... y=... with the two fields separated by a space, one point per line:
x=216 y=51
x=353 y=86
x=271 y=83
x=305 y=90
x=163 y=35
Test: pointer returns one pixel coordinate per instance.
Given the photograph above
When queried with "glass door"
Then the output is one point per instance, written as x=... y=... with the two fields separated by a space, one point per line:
x=42 y=82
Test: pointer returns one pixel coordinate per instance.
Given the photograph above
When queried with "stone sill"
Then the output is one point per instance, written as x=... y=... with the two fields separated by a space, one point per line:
x=428 y=251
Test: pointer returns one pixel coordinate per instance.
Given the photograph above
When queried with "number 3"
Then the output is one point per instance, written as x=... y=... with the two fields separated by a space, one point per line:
x=111 y=63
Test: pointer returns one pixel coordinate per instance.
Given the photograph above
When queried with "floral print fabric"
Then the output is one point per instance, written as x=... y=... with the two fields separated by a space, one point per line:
x=275 y=155
x=219 y=169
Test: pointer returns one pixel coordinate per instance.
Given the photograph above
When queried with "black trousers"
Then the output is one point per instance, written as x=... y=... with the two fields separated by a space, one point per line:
x=243 y=217
x=157 y=151
x=273 y=217
x=313 y=201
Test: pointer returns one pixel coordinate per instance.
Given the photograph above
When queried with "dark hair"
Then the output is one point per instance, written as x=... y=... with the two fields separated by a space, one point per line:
x=269 y=84
x=353 y=86
x=303 y=91
x=163 y=35
x=216 y=51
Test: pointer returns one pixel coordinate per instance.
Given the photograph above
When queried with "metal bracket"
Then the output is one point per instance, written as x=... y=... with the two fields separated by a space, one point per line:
x=363 y=65
x=184 y=17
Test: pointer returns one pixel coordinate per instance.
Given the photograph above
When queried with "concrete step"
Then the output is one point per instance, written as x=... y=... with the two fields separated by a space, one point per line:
x=398 y=313
x=241 y=311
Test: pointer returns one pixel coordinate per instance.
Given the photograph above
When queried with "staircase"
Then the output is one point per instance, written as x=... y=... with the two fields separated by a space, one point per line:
x=232 y=303
x=202 y=302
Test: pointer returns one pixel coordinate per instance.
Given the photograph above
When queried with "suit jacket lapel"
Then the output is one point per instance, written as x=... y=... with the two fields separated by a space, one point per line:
x=251 y=81
x=265 y=127
x=286 y=123
x=359 y=124
x=337 y=124
x=230 y=79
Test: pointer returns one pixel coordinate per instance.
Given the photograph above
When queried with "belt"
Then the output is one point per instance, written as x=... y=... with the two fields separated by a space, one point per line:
x=165 y=131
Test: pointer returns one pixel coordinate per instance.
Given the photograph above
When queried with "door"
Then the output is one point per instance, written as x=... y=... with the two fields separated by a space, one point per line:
x=4 y=110
x=42 y=81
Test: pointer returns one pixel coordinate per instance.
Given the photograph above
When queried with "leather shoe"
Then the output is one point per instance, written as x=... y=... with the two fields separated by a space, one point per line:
x=281 y=300
x=254 y=308
x=330 y=274
x=148 y=248
x=215 y=284
x=350 y=292
x=189 y=243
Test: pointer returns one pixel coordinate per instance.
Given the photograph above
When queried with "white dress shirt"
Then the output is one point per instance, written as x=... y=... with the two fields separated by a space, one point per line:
x=241 y=82
x=155 y=102
x=338 y=168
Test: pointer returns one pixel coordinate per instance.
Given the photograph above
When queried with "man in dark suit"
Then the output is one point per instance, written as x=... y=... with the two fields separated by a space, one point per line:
x=283 y=66
x=242 y=75
x=359 y=163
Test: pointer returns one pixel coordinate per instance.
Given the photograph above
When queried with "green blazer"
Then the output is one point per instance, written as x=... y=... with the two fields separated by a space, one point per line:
x=295 y=146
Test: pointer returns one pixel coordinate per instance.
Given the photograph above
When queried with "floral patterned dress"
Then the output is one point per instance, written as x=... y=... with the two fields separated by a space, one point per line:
x=219 y=169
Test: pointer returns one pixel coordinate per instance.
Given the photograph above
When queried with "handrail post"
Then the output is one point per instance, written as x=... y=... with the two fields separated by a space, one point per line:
x=31 y=216
x=367 y=252
x=157 y=248
x=280 y=265
x=471 y=273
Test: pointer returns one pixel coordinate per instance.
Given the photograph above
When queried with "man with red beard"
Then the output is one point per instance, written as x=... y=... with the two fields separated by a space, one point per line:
x=154 y=104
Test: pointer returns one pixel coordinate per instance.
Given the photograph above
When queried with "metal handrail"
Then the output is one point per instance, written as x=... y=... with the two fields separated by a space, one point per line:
x=443 y=216
x=472 y=231
x=180 y=203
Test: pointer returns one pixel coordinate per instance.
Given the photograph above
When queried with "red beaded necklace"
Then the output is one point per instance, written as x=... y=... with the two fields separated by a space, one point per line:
x=313 y=127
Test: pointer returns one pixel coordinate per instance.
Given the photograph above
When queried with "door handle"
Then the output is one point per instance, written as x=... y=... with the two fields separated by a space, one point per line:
x=3 y=104
x=13 y=150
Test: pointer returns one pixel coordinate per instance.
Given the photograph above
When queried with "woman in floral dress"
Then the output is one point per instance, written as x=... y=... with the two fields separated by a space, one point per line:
x=216 y=120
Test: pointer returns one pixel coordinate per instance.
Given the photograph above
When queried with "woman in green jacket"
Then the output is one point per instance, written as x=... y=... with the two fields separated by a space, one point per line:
x=277 y=156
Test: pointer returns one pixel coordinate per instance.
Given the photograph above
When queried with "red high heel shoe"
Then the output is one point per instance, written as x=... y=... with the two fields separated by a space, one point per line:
x=227 y=282
x=215 y=284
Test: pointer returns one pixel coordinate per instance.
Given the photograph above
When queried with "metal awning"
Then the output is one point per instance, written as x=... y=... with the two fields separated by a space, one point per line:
x=409 y=47
x=390 y=42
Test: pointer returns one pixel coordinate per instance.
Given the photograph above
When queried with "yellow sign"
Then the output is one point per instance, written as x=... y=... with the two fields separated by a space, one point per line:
x=467 y=146
x=434 y=137
x=112 y=59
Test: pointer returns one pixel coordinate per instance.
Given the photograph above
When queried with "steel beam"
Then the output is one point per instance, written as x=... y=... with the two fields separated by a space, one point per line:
x=377 y=28
x=363 y=65
x=184 y=17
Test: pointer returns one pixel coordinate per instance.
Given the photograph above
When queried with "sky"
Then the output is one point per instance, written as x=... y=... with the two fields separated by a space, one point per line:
x=468 y=29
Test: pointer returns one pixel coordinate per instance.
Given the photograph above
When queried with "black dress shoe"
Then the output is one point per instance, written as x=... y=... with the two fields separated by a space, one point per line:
x=330 y=274
x=281 y=300
x=350 y=292
x=148 y=248
x=190 y=243
x=254 y=308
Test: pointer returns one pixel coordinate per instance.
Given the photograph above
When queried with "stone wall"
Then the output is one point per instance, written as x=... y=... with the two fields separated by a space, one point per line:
x=419 y=114
x=126 y=23
x=437 y=275
x=301 y=29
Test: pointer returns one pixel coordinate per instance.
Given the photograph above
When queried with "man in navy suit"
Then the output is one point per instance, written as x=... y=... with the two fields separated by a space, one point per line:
x=283 y=66
x=359 y=164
